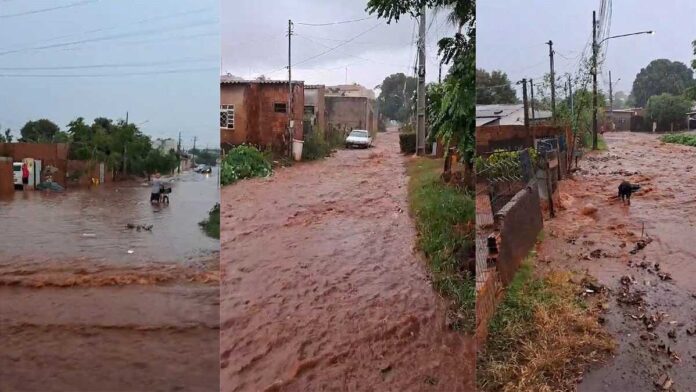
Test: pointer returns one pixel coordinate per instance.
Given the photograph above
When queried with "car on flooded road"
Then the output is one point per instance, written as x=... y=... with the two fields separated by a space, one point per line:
x=359 y=138
x=17 y=174
x=203 y=169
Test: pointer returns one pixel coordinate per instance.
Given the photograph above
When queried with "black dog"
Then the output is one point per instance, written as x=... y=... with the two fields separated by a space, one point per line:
x=625 y=190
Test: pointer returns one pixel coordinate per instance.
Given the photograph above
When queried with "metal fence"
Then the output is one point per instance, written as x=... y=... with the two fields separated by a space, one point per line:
x=505 y=177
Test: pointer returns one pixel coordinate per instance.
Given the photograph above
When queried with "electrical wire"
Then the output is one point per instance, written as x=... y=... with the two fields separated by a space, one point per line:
x=333 y=23
x=42 y=10
x=121 y=65
x=164 y=72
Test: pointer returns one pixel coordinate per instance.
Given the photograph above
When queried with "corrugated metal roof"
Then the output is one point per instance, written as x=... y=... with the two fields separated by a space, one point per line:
x=509 y=114
x=230 y=79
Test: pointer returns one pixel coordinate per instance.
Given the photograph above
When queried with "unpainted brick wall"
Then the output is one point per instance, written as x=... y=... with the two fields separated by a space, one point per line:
x=519 y=223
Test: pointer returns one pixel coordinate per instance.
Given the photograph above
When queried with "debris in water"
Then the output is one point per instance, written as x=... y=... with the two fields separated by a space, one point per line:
x=664 y=382
x=672 y=334
x=625 y=280
x=642 y=243
x=597 y=253
x=131 y=251
x=588 y=209
x=664 y=275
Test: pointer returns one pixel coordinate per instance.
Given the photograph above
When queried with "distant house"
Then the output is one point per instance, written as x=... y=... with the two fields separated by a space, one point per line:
x=314 y=107
x=508 y=114
x=691 y=119
x=256 y=112
x=351 y=107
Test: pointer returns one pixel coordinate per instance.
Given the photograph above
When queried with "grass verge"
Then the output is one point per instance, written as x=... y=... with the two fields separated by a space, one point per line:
x=542 y=337
x=444 y=218
x=211 y=225
x=677 y=138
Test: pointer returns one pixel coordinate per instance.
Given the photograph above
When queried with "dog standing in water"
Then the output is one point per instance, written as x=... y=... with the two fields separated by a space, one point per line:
x=625 y=190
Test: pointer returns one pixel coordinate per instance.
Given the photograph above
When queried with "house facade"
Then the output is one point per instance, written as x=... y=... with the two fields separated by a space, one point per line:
x=256 y=112
x=351 y=107
x=314 y=108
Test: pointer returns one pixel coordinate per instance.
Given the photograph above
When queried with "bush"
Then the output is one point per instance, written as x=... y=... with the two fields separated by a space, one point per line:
x=244 y=162
x=315 y=147
x=211 y=225
x=407 y=142
x=687 y=140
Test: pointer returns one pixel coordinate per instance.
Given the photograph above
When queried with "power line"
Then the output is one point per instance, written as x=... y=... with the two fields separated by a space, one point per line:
x=39 y=11
x=121 y=65
x=165 y=72
x=334 y=23
x=205 y=22
x=339 y=45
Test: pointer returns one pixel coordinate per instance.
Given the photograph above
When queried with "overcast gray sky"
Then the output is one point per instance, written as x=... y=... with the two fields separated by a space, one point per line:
x=156 y=59
x=511 y=36
x=254 y=41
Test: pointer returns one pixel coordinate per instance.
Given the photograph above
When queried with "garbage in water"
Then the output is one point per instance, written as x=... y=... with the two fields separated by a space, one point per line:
x=131 y=251
x=89 y=235
x=139 y=227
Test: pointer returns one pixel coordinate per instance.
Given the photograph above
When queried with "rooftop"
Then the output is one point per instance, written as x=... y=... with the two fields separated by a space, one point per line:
x=508 y=114
x=231 y=79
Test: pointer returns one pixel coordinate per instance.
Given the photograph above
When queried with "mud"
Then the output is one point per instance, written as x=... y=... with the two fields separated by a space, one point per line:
x=643 y=253
x=80 y=313
x=322 y=288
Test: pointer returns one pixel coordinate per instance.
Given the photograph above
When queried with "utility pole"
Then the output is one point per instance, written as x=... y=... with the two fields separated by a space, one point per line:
x=420 y=139
x=531 y=88
x=553 y=81
x=594 y=80
x=611 y=102
x=193 y=156
x=289 y=108
x=124 y=148
x=178 y=153
x=526 y=104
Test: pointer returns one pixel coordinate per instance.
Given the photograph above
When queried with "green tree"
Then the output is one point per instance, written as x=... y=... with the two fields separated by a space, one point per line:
x=662 y=76
x=395 y=97
x=7 y=136
x=455 y=118
x=494 y=88
x=620 y=100
x=39 y=131
x=667 y=110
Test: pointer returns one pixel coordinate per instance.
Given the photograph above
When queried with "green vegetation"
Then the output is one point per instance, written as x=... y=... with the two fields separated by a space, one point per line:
x=542 y=335
x=319 y=145
x=502 y=163
x=395 y=97
x=659 y=77
x=444 y=216
x=407 y=142
x=244 y=162
x=211 y=225
x=494 y=88
x=205 y=157
x=680 y=138
x=667 y=109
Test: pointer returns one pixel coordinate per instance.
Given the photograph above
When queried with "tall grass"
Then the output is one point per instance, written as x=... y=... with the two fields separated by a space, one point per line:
x=680 y=138
x=211 y=225
x=542 y=336
x=444 y=217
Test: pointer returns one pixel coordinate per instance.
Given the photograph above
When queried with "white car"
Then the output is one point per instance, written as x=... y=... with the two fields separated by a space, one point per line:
x=359 y=138
x=17 y=170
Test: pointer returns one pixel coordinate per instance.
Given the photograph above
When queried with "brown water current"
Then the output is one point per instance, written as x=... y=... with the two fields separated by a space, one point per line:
x=650 y=244
x=322 y=289
x=79 y=312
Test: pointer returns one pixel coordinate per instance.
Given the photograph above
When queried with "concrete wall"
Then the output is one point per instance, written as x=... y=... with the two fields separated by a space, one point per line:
x=6 y=177
x=82 y=172
x=348 y=113
x=55 y=155
x=519 y=223
x=256 y=122
x=315 y=96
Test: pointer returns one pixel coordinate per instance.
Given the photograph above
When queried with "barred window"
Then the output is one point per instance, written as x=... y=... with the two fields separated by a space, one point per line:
x=227 y=116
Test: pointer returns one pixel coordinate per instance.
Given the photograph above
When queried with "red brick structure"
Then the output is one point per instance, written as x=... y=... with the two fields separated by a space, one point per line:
x=6 y=177
x=55 y=155
x=255 y=112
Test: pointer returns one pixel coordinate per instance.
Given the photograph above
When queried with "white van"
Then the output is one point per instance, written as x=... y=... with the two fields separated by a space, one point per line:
x=17 y=170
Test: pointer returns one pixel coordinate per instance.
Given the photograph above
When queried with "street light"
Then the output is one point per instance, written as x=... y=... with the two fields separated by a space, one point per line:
x=595 y=49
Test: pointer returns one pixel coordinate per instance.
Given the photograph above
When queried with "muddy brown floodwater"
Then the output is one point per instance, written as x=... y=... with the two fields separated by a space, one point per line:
x=652 y=312
x=79 y=312
x=322 y=289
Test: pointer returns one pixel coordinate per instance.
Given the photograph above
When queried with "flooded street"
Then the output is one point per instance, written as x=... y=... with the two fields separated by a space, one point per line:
x=643 y=253
x=322 y=288
x=78 y=311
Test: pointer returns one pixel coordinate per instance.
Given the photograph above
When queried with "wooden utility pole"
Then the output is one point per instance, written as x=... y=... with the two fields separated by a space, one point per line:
x=553 y=81
x=525 y=103
x=289 y=108
x=420 y=108
x=594 y=80
x=193 y=156
x=178 y=154
x=531 y=88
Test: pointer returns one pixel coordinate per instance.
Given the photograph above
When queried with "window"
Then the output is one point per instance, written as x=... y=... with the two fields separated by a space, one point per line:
x=227 y=116
x=280 y=107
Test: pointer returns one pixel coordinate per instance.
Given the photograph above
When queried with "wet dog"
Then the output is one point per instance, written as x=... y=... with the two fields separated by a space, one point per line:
x=625 y=191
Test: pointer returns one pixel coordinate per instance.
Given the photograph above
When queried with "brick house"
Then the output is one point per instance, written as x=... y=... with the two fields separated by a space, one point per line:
x=256 y=112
